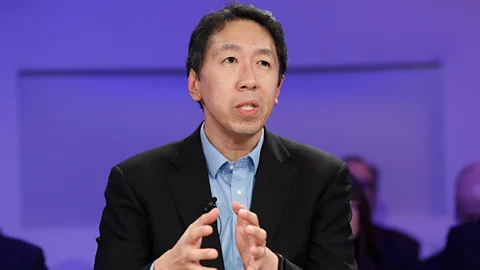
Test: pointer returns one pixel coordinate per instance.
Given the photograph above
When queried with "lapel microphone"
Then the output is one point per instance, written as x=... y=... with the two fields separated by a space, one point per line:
x=210 y=205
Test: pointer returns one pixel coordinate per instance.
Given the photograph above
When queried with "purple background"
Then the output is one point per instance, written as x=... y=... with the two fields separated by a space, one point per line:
x=85 y=84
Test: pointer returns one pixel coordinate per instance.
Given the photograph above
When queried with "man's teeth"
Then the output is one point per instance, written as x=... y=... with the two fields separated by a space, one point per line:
x=247 y=107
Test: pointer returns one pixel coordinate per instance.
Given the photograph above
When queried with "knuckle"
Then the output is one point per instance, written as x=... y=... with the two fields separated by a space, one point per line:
x=185 y=253
x=198 y=231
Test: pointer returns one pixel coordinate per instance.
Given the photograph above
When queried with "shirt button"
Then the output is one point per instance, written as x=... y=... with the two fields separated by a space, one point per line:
x=239 y=192
x=231 y=167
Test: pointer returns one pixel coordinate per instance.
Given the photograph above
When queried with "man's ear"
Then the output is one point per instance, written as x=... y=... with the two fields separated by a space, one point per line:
x=193 y=82
x=277 y=93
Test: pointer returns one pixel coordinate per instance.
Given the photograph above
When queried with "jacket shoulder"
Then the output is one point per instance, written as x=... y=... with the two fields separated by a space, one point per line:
x=312 y=156
x=157 y=156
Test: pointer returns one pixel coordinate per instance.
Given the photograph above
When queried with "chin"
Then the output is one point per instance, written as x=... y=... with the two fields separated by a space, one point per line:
x=246 y=128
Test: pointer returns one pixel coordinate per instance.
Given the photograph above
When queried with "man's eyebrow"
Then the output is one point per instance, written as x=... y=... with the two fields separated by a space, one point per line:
x=265 y=51
x=230 y=47
x=235 y=47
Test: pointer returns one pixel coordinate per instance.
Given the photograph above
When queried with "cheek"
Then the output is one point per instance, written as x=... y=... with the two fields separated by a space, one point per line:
x=213 y=91
x=354 y=219
x=269 y=99
x=354 y=223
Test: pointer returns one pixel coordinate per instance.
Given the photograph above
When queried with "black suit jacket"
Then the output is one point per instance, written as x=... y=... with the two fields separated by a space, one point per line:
x=462 y=250
x=398 y=250
x=18 y=254
x=301 y=196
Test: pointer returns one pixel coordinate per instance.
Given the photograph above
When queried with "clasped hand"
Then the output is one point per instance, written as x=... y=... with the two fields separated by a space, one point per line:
x=249 y=237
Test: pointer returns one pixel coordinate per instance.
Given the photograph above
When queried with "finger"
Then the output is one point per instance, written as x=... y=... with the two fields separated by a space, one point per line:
x=257 y=252
x=257 y=233
x=207 y=218
x=249 y=216
x=197 y=266
x=236 y=206
x=241 y=224
x=253 y=265
x=193 y=234
x=196 y=254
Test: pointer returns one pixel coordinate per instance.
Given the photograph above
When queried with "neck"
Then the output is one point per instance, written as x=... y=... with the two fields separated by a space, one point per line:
x=231 y=146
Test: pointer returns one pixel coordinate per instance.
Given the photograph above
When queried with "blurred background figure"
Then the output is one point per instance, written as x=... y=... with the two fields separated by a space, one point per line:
x=16 y=254
x=366 y=252
x=467 y=194
x=397 y=248
x=462 y=246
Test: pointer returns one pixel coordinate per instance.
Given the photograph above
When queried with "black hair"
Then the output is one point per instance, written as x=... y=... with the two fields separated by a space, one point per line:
x=215 y=21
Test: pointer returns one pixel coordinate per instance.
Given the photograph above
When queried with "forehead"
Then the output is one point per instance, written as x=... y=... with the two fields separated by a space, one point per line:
x=361 y=171
x=245 y=33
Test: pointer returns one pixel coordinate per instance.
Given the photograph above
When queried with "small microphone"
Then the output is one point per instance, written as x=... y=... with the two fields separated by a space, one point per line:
x=210 y=205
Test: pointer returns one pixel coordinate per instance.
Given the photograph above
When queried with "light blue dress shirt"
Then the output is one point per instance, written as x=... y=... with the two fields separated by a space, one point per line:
x=230 y=182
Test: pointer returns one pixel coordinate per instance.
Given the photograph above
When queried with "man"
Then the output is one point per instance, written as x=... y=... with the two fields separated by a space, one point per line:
x=18 y=254
x=280 y=204
x=395 y=247
x=461 y=250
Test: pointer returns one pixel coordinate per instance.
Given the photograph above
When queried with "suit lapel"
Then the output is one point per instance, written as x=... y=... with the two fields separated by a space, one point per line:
x=190 y=188
x=273 y=184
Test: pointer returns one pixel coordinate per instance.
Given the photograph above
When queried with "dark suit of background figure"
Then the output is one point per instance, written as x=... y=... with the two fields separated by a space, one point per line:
x=16 y=254
x=462 y=250
x=397 y=248
x=433 y=262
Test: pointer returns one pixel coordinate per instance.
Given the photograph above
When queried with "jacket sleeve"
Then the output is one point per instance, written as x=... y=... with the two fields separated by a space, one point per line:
x=331 y=241
x=122 y=243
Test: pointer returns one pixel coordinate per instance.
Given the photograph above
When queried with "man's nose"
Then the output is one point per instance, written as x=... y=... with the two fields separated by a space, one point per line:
x=248 y=79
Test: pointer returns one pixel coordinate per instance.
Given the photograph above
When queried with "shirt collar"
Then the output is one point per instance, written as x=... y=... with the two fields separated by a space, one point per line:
x=215 y=159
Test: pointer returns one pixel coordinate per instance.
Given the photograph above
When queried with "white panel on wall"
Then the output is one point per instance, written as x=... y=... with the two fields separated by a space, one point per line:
x=73 y=129
x=393 y=118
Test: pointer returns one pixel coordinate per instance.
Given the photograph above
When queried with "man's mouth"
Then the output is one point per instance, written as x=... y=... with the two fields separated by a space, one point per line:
x=247 y=107
x=247 y=104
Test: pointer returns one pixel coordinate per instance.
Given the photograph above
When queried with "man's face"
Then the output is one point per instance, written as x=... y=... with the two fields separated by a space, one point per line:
x=238 y=83
x=363 y=173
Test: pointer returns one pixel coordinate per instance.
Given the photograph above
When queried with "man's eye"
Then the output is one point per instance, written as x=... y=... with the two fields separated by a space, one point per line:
x=264 y=63
x=230 y=60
